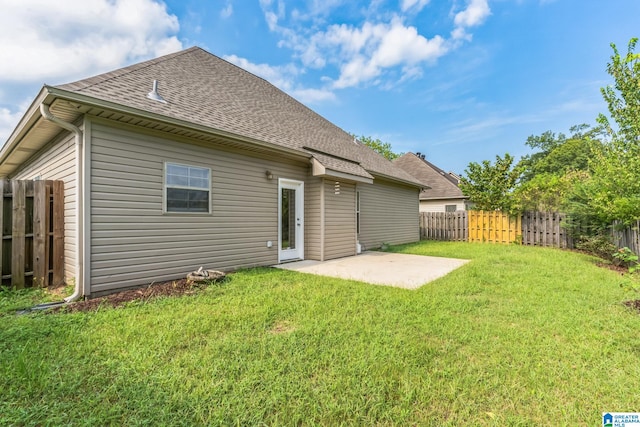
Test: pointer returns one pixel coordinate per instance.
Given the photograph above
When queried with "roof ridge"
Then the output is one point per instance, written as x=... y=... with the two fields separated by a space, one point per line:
x=442 y=172
x=110 y=75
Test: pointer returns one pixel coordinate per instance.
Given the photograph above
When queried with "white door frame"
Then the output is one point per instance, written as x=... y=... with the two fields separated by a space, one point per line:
x=298 y=252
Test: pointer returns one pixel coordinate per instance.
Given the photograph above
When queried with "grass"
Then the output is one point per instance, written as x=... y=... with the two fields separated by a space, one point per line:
x=518 y=336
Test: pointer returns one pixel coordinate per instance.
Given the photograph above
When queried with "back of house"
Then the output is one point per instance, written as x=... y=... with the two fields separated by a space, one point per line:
x=187 y=160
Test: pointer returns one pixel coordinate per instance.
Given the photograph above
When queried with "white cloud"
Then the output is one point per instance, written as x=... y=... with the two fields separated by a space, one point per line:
x=313 y=96
x=9 y=119
x=284 y=78
x=417 y=5
x=366 y=52
x=62 y=40
x=280 y=76
x=403 y=45
x=475 y=14
x=380 y=50
x=226 y=11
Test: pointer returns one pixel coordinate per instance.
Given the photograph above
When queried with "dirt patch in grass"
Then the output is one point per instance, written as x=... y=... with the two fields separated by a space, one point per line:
x=118 y=299
x=613 y=267
x=633 y=304
x=282 y=327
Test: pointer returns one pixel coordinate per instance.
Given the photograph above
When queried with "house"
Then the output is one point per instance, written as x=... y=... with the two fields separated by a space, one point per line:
x=187 y=160
x=441 y=192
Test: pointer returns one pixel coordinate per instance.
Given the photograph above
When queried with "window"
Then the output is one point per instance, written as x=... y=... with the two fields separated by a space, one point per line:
x=450 y=208
x=187 y=188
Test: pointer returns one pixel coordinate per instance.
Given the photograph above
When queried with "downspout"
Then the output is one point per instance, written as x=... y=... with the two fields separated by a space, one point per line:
x=44 y=109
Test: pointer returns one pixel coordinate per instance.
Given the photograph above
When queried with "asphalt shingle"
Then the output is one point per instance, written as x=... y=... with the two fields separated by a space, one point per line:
x=208 y=91
x=442 y=185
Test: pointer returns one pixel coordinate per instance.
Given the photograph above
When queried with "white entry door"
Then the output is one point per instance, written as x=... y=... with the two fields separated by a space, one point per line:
x=291 y=219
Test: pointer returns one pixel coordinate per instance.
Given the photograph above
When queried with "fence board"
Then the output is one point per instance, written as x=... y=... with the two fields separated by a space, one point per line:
x=40 y=234
x=2 y=188
x=18 y=234
x=58 y=233
x=48 y=248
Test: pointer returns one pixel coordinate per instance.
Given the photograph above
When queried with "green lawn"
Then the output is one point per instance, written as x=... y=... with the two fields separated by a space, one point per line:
x=518 y=336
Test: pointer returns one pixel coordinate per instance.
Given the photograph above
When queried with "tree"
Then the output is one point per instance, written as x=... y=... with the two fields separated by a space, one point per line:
x=623 y=99
x=613 y=191
x=560 y=155
x=490 y=186
x=549 y=175
x=547 y=192
x=382 y=148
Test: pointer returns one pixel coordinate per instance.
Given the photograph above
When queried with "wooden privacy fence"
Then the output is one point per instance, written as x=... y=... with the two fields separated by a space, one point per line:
x=449 y=226
x=493 y=227
x=545 y=229
x=531 y=228
x=627 y=237
x=32 y=221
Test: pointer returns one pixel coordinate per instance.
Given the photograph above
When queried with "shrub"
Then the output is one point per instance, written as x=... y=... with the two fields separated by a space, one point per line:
x=599 y=245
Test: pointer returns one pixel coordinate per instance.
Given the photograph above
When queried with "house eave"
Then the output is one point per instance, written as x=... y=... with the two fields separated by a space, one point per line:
x=48 y=95
x=321 y=171
x=28 y=121
x=100 y=103
x=443 y=198
x=416 y=184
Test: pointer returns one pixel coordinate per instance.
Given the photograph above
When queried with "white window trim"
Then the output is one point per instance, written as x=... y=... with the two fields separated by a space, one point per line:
x=165 y=186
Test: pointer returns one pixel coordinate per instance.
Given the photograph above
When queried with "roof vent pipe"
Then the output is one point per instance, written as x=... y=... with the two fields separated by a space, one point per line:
x=154 y=93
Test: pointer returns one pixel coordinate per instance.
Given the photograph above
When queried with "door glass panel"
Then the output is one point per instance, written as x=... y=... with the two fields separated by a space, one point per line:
x=288 y=220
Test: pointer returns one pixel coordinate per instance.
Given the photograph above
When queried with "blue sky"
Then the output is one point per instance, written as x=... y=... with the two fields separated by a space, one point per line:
x=460 y=80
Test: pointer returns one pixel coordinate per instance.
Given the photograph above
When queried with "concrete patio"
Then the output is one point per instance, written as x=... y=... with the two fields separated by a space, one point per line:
x=381 y=268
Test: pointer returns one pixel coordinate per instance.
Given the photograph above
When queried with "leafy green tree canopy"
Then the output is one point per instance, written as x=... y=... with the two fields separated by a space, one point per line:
x=382 y=148
x=490 y=185
x=613 y=192
x=560 y=155
x=623 y=98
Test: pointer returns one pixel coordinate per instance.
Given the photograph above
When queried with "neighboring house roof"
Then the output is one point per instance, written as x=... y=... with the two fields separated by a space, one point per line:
x=443 y=185
x=207 y=91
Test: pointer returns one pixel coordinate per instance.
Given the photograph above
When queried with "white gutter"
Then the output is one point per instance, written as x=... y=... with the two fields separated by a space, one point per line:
x=44 y=109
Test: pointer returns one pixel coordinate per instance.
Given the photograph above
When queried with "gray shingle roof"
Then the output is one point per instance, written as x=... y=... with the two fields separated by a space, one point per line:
x=208 y=91
x=442 y=186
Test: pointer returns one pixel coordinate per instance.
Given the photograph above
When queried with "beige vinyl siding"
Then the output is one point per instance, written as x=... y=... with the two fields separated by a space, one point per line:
x=133 y=242
x=57 y=161
x=312 y=218
x=439 y=205
x=339 y=220
x=388 y=213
